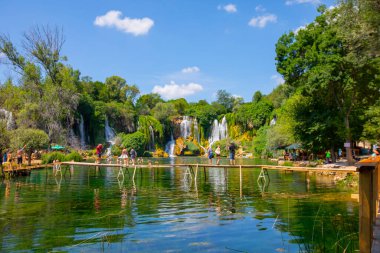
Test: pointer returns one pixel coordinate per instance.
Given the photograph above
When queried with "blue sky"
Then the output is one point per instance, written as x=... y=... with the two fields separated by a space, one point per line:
x=178 y=48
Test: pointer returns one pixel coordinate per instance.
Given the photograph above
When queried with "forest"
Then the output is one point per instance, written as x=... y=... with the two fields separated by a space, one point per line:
x=331 y=96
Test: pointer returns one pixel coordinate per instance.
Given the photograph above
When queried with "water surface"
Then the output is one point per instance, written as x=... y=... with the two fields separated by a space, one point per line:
x=167 y=210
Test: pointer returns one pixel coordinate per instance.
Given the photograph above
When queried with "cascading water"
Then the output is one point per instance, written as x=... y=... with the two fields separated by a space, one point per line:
x=82 y=133
x=169 y=147
x=223 y=129
x=8 y=116
x=273 y=121
x=110 y=136
x=196 y=131
x=218 y=131
x=186 y=127
x=151 y=140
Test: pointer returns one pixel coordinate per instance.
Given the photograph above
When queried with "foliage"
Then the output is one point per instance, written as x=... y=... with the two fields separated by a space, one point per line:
x=31 y=139
x=336 y=84
x=135 y=140
x=116 y=150
x=159 y=152
x=163 y=112
x=146 y=123
x=191 y=148
x=147 y=154
x=147 y=102
x=73 y=156
x=180 y=105
x=253 y=115
x=260 y=142
x=53 y=156
x=4 y=140
x=226 y=99
x=372 y=123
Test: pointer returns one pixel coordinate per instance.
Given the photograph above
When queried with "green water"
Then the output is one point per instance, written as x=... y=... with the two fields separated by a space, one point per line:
x=164 y=210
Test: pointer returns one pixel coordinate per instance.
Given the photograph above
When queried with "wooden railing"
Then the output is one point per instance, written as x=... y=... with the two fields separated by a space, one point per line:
x=369 y=187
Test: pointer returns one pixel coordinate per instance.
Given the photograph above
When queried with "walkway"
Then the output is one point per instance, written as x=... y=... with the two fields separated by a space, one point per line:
x=376 y=234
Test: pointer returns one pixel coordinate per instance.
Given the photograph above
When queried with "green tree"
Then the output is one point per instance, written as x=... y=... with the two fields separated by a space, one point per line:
x=163 y=112
x=4 y=140
x=135 y=140
x=317 y=61
x=32 y=139
x=147 y=102
x=257 y=96
x=372 y=123
x=180 y=105
x=226 y=99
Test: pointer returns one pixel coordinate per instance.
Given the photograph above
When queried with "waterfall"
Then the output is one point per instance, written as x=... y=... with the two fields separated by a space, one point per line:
x=215 y=136
x=186 y=127
x=82 y=133
x=273 y=121
x=218 y=131
x=223 y=129
x=169 y=147
x=110 y=134
x=151 y=140
x=8 y=116
x=196 y=131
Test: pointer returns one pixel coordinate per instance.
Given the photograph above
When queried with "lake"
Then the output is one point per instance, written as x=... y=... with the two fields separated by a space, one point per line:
x=165 y=210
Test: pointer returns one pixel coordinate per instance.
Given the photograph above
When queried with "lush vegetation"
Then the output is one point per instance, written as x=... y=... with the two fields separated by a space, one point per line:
x=330 y=96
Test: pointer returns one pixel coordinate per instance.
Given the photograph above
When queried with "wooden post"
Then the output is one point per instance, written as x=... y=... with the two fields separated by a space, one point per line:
x=241 y=183
x=367 y=201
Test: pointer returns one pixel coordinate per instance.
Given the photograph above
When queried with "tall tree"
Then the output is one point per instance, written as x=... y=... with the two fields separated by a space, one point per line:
x=318 y=62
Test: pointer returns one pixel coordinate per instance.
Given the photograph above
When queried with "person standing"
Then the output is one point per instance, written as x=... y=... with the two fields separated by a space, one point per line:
x=232 y=150
x=217 y=153
x=19 y=154
x=99 y=149
x=210 y=155
x=328 y=156
x=124 y=156
x=133 y=156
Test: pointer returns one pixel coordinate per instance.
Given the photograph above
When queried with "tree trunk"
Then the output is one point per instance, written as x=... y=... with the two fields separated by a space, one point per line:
x=350 y=160
x=333 y=157
x=30 y=156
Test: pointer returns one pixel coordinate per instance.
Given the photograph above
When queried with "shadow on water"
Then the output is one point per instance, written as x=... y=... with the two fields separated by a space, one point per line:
x=167 y=210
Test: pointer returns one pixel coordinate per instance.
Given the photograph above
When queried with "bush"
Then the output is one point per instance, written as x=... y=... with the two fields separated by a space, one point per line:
x=191 y=149
x=136 y=140
x=147 y=154
x=73 y=156
x=116 y=150
x=50 y=157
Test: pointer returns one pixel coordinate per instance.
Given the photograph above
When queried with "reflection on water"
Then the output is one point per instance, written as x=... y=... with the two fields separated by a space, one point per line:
x=164 y=211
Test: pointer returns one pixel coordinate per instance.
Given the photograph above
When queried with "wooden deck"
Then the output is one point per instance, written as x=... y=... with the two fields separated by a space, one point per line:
x=155 y=165
x=376 y=234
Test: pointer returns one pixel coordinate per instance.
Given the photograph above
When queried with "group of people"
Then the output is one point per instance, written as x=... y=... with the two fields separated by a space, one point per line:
x=231 y=149
x=123 y=157
x=8 y=157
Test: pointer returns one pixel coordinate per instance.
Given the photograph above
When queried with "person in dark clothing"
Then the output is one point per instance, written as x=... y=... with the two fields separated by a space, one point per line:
x=232 y=150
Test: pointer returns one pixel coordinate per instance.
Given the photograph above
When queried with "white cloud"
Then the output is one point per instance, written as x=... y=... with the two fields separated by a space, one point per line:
x=188 y=70
x=260 y=8
x=291 y=2
x=299 y=28
x=230 y=8
x=262 y=21
x=173 y=90
x=134 y=26
x=2 y=55
x=278 y=79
